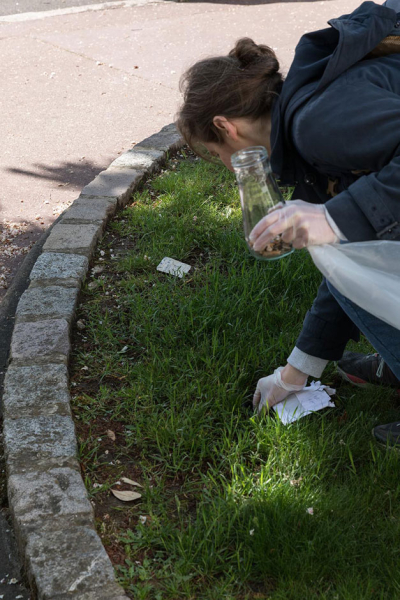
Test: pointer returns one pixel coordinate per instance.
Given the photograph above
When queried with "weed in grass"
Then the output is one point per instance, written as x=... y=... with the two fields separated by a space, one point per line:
x=171 y=364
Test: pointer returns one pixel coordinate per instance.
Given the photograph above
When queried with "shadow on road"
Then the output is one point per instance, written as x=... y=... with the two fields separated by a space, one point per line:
x=16 y=239
x=78 y=173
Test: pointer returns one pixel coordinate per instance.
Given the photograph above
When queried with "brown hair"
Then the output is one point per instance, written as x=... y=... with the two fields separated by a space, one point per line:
x=242 y=84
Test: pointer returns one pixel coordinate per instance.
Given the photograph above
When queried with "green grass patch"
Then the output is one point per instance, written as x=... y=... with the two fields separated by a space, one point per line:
x=169 y=365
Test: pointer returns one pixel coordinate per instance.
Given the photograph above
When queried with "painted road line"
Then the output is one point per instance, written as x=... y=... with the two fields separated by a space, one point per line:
x=59 y=12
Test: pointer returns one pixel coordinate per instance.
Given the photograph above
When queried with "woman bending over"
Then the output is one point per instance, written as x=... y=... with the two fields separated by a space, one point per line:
x=332 y=130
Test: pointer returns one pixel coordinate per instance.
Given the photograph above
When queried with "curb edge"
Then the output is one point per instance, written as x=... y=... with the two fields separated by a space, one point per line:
x=47 y=496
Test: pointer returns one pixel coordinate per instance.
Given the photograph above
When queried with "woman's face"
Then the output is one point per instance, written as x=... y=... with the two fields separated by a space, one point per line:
x=223 y=152
x=238 y=134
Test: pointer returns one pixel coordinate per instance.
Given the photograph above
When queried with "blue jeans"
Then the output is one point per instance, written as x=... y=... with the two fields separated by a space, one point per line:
x=383 y=337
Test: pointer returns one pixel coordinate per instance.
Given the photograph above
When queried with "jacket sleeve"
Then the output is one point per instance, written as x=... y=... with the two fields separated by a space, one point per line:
x=326 y=328
x=355 y=125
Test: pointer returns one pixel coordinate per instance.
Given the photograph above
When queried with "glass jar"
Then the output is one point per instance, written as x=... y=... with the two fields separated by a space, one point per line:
x=259 y=192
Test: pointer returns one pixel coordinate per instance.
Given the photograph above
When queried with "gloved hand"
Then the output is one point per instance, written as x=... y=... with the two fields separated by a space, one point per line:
x=301 y=223
x=271 y=390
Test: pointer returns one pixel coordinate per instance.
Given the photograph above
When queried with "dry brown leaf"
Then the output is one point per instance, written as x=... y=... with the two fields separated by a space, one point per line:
x=130 y=481
x=111 y=435
x=126 y=496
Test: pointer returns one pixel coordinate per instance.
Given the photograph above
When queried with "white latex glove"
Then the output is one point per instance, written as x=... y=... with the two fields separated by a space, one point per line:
x=300 y=223
x=271 y=390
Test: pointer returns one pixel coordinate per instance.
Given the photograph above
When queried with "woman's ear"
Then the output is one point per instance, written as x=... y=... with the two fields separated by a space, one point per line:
x=228 y=128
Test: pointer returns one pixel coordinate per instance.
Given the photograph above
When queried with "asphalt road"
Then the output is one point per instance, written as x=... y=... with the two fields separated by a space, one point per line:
x=12 y=7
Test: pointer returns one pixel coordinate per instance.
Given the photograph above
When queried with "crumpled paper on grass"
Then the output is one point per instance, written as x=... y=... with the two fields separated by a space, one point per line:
x=308 y=400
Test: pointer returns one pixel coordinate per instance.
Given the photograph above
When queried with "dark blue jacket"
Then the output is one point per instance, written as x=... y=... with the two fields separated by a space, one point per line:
x=336 y=125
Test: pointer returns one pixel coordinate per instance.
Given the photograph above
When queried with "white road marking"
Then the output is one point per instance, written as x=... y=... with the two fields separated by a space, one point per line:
x=59 y=12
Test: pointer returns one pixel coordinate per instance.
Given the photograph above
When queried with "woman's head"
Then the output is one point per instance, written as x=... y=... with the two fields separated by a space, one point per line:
x=228 y=99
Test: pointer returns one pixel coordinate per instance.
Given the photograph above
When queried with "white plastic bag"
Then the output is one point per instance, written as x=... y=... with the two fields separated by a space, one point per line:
x=367 y=273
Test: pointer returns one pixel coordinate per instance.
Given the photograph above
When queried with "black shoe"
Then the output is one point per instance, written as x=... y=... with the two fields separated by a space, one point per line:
x=389 y=434
x=363 y=370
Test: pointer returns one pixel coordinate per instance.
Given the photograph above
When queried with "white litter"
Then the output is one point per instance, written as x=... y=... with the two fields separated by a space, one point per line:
x=308 y=400
x=174 y=267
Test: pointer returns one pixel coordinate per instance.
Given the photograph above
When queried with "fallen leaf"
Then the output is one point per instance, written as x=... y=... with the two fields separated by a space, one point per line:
x=111 y=435
x=126 y=480
x=126 y=496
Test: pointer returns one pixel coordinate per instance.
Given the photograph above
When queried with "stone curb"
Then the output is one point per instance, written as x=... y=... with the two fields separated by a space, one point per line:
x=52 y=516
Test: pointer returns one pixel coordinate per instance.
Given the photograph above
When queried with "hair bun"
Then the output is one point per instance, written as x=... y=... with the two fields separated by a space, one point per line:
x=247 y=52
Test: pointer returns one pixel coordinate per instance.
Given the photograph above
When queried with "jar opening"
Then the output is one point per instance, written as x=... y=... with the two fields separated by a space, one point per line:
x=249 y=156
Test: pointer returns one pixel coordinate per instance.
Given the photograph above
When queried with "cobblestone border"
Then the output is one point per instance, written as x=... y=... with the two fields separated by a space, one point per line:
x=53 y=518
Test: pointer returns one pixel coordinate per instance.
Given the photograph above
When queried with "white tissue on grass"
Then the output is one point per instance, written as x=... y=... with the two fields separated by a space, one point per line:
x=308 y=400
x=174 y=267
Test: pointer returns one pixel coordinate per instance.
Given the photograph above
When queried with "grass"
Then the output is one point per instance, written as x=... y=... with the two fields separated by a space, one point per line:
x=169 y=365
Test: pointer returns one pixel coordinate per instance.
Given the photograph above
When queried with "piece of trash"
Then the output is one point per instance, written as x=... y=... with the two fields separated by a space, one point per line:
x=111 y=435
x=80 y=324
x=124 y=349
x=142 y=519
x=126 y=496
x=130 y=481
x=174 y=267
x=308 y=400
x=296 y=482
x=310 y=510
x=251 y=531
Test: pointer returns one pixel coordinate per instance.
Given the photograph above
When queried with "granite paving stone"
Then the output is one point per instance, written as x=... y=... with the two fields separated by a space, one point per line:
x=114 y=183
x=59 y=266
x=108 y=592
x=41 y=499
x=55 y=573
x=53 y=302
x=36 y=390
x=146 y=159
x=33 y=443
x=75 y=239
x=89 y=210
x=168 y=139
x=41 y=340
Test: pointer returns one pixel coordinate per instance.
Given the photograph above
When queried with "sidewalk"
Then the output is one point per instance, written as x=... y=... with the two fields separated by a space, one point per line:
x=79 y=89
